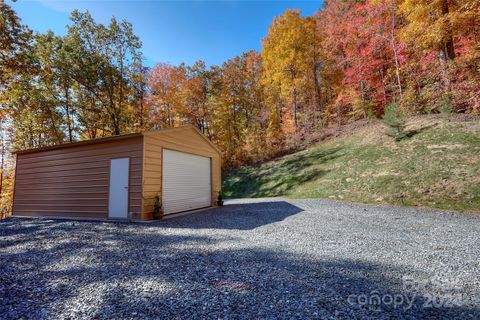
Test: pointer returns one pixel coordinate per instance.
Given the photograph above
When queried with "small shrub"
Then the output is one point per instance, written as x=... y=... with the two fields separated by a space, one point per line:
x=445 y=105
x=362 y=109
x=220 y=199
x=157 y=208
x=371 y=116
x=395 y=122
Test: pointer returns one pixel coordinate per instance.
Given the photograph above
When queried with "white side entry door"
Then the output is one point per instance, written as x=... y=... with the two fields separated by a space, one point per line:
x=118 y=193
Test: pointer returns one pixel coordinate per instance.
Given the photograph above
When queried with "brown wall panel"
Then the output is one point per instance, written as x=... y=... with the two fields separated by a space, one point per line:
x=81 y=159
x=125 y=145
x=91 y=167
x=60 y=213
x=74 y=181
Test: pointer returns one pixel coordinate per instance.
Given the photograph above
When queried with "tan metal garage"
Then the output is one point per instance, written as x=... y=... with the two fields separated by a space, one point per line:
x=117 y=176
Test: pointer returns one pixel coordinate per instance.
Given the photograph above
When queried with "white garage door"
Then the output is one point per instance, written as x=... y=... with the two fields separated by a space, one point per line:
x=186 y=181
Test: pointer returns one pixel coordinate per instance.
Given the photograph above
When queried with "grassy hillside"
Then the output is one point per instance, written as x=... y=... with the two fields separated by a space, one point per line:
x=437 y=167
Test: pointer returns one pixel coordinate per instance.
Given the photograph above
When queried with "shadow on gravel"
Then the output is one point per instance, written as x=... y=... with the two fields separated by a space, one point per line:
x=100 y=270
x=244 y=216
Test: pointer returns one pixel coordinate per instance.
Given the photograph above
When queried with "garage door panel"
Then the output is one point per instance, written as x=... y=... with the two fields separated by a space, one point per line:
x=186 y=181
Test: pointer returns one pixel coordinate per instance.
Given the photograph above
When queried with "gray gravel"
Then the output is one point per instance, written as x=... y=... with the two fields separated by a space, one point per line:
x=263 y=259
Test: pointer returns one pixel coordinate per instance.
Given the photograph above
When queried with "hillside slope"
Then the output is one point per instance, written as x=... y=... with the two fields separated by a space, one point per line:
x=437 y=167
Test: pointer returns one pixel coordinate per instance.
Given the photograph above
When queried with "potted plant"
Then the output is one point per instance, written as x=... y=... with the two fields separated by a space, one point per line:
x=157 y=208
x=220 y=199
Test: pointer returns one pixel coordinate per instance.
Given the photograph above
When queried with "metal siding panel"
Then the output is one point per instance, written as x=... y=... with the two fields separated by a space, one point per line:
x=89 y=156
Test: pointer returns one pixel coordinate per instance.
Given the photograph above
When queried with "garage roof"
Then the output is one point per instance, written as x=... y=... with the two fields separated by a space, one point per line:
x=111 y=138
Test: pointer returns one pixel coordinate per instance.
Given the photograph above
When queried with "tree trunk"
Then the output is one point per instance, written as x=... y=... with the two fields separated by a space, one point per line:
x=120 y=100
x=113 y=116
x=384 y=87
x=116 y=127
x=449 y=46
x=67 y=111
x=2 y=167
x=294 y=105
x=31 y=135
x=142 y=95
x=317 y=94
x=54 y=127
x=93 y=130
x=395 y=53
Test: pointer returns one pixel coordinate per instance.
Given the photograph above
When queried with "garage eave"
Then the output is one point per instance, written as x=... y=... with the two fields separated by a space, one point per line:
x=79 y=143
x=185 y=127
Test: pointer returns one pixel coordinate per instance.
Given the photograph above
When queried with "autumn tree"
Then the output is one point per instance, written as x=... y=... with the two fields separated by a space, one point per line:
x=57 y=85
x=88 y=83
x=195 y=96
x=34 y=119
x=14 y=45
x=443 y=36
x=241 y=121
x=363 y=56
x=6 y=172
x=139 y=83
x=104 y=60
x=431 y=25
x=292 y=65
x=165 y=85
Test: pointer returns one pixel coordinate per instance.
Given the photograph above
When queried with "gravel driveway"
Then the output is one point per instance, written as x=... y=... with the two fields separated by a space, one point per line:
x=262 y=259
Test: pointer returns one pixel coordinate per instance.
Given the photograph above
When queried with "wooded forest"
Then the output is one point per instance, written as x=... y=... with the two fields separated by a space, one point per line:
x=349 y=61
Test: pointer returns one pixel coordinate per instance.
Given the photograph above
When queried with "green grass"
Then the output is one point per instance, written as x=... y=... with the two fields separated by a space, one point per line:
x=438 y=167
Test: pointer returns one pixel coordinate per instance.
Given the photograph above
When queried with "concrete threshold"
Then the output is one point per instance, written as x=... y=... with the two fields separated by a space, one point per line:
x=176 y=215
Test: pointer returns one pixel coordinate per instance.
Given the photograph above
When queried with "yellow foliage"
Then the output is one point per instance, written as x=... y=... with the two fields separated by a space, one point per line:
x=291 y=60
x=7 y=193
x=433 y=22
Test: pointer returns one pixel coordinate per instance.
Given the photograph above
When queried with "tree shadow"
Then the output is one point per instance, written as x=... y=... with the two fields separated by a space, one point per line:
x=278 y=180
x=413 y=132
x=139 y=271
x=234 y=216
x=26 y=227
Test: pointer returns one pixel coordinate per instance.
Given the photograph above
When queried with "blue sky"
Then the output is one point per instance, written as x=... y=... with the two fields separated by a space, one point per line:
x=173 y=31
